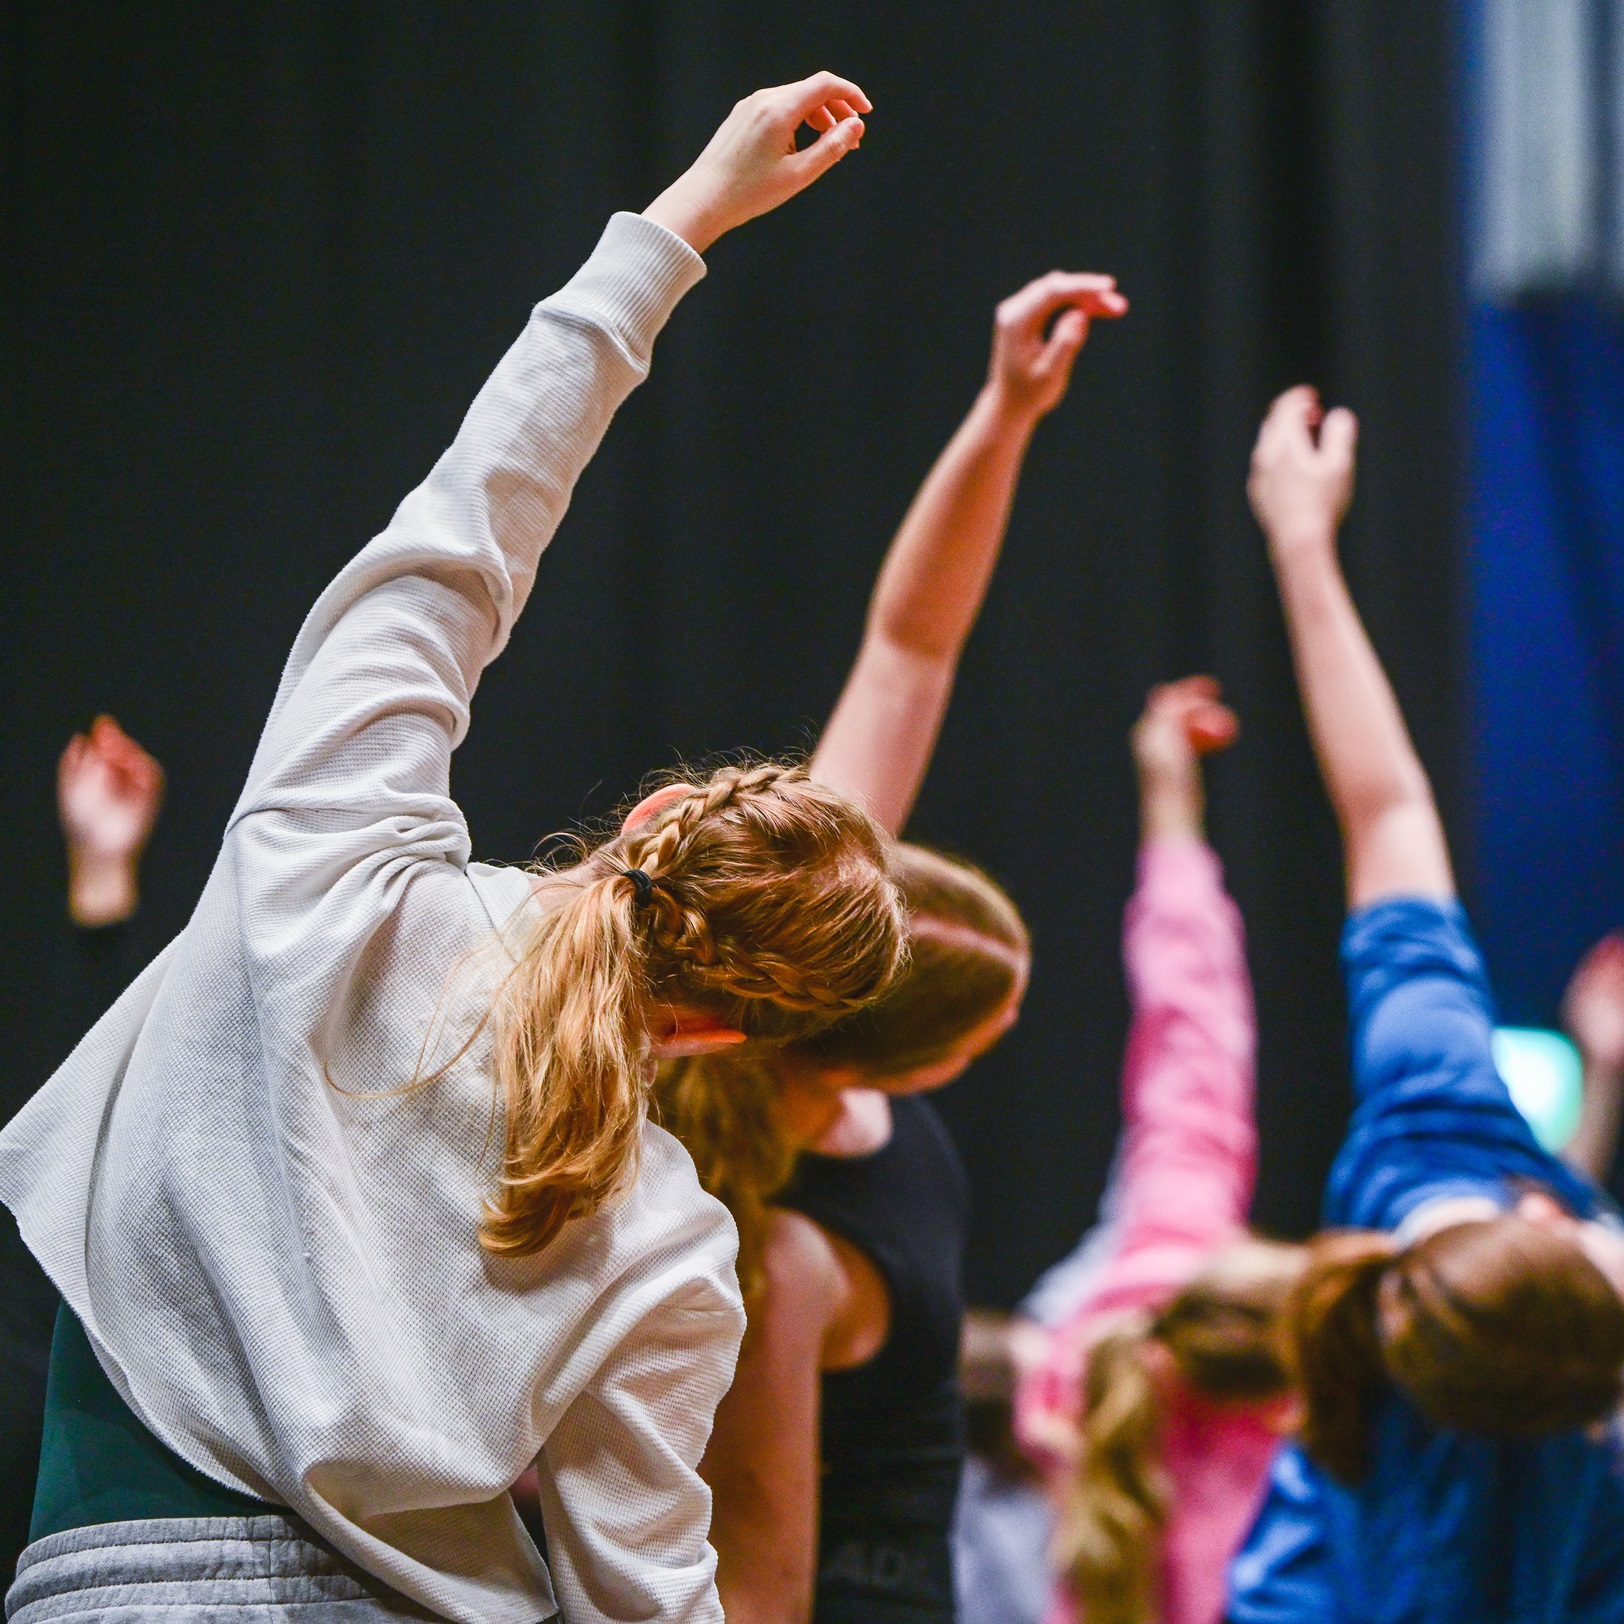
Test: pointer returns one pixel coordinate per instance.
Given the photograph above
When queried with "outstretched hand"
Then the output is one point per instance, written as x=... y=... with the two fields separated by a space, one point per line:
x=752 y=163
x=1032 y=360
x=1302 y=480
x=1593 y=1006
x=1181 y=722
x=108 y=790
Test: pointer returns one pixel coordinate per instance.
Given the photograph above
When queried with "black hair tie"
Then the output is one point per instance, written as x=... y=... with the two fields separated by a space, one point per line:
x=641 y=884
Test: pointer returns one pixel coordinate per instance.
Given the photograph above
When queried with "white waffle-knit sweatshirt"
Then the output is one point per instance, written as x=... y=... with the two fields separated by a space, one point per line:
x=276 y=1260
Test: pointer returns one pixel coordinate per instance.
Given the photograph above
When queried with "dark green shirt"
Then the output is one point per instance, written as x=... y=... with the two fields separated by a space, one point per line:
x=99 y=1464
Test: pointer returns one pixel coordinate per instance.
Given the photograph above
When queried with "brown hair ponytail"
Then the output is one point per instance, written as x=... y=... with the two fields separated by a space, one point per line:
x=968 y=953
x=1498 y=1326
x=1336 y=1346
x=765 y=904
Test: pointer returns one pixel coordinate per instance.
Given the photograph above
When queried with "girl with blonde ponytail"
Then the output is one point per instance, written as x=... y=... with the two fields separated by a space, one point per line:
x=1160 y=1395
x=835 y=1460
x=351 y=1197
x=1459 y=1345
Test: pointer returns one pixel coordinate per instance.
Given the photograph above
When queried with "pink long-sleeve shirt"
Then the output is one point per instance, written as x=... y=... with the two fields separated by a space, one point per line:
x=1182 y=1187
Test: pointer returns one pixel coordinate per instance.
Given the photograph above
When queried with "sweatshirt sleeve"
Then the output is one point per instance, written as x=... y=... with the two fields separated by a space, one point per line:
x=1188 y=1157
x=376 y=692
x=625 y=1508
x=1186 y=1161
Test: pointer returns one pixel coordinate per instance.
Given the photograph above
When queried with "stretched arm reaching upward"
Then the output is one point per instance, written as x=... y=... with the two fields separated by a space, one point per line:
x=878 y=743
x=1593 y=1013
x=1301 y=484
x=1187 y=1159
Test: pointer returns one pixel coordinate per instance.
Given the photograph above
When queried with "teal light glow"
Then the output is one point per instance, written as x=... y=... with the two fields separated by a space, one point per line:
x=1546 y=1080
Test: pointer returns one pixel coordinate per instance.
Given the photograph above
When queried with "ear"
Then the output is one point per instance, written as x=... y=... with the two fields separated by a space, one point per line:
x=650 y=804
x=677 y=1033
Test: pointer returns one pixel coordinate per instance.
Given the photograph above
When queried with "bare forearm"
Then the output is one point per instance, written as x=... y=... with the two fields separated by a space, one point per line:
x=936 y=573
x=878 y=744
x=1171 y=806
x=102 y=890
x=1595 y=1141
x=1393 y=841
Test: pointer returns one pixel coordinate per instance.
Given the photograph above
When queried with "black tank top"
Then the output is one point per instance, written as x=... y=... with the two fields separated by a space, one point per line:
x=890 y=1434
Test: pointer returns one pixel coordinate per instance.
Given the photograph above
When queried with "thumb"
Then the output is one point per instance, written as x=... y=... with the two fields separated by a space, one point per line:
x=1339 y=434
x=826 y=151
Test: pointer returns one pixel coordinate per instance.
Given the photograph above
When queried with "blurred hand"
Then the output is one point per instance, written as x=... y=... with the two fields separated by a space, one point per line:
x=1301 y=484
x=1593 y=1006
x=108 y=790
x=751 y=164
x=1181 y=722
x=1029 y=371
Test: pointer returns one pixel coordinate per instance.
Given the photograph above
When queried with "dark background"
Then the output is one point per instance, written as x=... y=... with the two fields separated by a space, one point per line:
x=257 y=261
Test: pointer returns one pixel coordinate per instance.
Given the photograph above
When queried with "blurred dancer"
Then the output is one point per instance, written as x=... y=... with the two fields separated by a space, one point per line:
x=1160 y=1399
x=328 y=1297
x=1593 y=1015
x=836 y=1456
x=1460 y=1348
x=108 y=790
x=1002 y=1525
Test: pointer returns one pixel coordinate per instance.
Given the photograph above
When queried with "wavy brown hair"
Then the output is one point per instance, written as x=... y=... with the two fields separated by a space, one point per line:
x=1497 y=1326
x=765 y=902
x=1223 y=1333
x=968 y=952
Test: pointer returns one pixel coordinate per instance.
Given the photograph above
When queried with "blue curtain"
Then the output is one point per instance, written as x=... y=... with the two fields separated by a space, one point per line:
x=1547 y=636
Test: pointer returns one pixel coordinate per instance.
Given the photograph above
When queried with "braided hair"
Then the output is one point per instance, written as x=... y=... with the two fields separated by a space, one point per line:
x=756 y=899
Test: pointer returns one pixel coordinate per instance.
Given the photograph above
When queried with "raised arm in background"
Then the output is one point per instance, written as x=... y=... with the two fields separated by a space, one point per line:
x=1593 y=1013
x=108 y=790
x=1187 y=1157
x=1301 y=484
x=878 y=743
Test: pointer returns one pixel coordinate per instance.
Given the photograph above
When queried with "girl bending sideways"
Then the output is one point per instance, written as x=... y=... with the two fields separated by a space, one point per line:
x=351 y=1197
x=1459 y=1341
x=835 y=1462
x=1160 y=1399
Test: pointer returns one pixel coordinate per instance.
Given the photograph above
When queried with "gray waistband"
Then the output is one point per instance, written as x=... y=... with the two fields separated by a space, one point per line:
x=197 y=1570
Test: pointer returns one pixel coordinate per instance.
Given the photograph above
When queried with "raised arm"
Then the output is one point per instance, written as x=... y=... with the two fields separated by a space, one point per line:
x=878 y=743
x=1593 y=1013
x=1187 y=1158
x=1301 y=484
x=108 y=791
x=376 y=692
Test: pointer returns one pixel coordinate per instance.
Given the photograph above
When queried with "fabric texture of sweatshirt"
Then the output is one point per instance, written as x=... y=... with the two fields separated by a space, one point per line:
x=1181 y=1189
x=271 y=1244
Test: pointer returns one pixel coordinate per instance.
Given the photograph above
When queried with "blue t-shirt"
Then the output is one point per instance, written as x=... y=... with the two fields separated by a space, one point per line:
x=1445 y=1528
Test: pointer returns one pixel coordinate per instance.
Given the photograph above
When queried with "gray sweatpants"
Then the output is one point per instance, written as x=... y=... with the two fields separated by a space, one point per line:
x=197 y=1570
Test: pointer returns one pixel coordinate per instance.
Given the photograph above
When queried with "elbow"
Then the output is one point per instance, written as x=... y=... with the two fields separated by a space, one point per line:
x=901 y=649
x=1400 y=799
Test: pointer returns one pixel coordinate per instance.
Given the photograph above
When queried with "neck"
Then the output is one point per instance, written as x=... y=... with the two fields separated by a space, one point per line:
x=810 y=1097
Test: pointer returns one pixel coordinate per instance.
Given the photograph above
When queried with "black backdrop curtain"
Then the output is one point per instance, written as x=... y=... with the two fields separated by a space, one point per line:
x=258 y=260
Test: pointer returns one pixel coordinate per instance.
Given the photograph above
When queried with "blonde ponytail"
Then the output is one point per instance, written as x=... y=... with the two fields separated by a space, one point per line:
x=726 y=1109
x=1222 y=1336
x=570 y=1048
x=1108 y=1538
x=756 y=899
